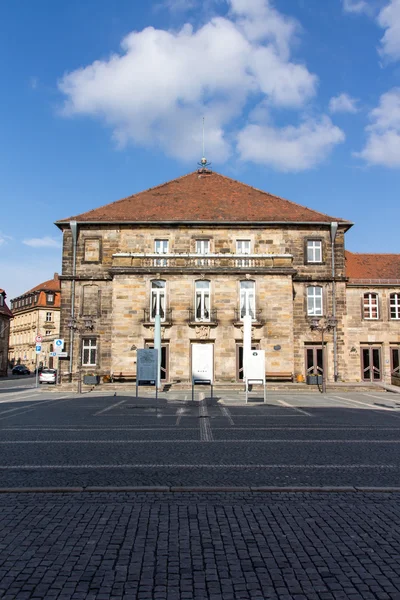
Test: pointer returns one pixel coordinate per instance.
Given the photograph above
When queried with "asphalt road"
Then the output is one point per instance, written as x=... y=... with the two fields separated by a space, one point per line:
x=50 y=438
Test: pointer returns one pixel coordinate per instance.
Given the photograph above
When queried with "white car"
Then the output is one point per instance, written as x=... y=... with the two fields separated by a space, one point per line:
x=48 y=376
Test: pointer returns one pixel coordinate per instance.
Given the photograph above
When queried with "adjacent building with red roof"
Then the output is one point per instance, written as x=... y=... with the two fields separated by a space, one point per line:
x=202 y=251
x=5 y=318
x=36 y=313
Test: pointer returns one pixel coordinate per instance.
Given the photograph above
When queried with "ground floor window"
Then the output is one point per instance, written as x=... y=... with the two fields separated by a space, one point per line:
x=89 y=352
x=371 y=363
x=164 y=366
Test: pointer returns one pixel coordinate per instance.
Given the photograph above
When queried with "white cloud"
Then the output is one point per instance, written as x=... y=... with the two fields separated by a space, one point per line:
x=383 y=135
x=291 y=148
x=45 y=242
x=157 y=89
x=343 y=103
x=356 y=6
x=4 y=238
x=389 y=19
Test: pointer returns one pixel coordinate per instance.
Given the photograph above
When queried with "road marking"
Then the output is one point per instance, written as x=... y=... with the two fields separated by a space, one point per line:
x=100 y=412
x=204 y=422
x=206 y=439
x=304 y=412
x=382 y=397
x=86 y=429
x=34 y=405
x=366 y=404
x=192 y=466
x=179 y=414
x=227 y=414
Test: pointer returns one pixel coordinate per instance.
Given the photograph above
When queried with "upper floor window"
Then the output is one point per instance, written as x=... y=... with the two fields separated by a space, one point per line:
x=157 y=299
x=243 y=247
x=92 y=250
x=202 y=246
x=50 y=298
x=314 y=251
x=202 y=300
x=49 y=316
x=395 y=306
x=47 y=332
x=370 y=306
x=161 y=247
x=248 y=299
x=89 y=352
x=314 y=301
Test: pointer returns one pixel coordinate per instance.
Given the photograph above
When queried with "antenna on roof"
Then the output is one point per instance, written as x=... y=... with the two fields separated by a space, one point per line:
x=203 y=163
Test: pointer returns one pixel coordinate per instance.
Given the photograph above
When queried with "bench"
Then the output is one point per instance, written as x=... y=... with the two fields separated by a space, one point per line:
x=286 y=376
x=122 y=375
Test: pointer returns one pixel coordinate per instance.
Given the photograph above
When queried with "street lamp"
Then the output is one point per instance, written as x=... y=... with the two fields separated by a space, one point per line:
x=80 y=327
x=325 y=324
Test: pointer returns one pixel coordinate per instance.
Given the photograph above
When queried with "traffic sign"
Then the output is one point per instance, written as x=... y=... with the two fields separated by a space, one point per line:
x=38 y=339
x=38 y=348
x=52 y=353
x=62 y=354
x=59 y=343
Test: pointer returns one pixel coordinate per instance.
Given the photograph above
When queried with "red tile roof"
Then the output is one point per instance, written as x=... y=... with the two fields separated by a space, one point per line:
x=52 y=285
x=372 y=266
x=4 y=310
x=202 y=197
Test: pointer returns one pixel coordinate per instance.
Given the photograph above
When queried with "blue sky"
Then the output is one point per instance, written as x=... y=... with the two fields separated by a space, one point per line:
x=102 y=99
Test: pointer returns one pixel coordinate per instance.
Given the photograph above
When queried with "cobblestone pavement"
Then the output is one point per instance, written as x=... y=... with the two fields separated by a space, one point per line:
x=188 y=546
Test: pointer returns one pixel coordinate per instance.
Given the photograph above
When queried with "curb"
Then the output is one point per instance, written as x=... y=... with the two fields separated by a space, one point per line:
x=180 y=489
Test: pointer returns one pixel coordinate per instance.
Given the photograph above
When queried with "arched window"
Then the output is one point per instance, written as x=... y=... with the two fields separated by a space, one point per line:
x=202 y=300
x=314 y=301
x=157 y=299
x=248 y=299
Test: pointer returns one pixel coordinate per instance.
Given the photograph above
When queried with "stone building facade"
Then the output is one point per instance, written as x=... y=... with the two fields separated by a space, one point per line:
x=5 y=319
x=36 y=312
x=204 y=249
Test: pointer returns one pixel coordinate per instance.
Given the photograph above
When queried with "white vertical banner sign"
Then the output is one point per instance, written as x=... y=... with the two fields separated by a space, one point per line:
x=246 y=343
x=157 y=345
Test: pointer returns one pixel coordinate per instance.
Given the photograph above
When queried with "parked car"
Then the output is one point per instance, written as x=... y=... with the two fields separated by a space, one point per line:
x=48 y=376
x=20 y=370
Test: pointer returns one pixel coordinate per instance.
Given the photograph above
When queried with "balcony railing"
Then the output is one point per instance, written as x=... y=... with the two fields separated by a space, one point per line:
x=166 y=316
x=257 y=317
x=202 y=262
x=211 y=317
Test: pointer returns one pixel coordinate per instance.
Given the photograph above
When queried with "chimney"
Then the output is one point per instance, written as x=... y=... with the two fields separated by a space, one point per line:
x=56 y=276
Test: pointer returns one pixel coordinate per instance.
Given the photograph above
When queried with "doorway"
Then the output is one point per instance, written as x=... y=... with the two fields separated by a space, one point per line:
x=314 y=360
x=164 y=366
x=395 y=360
x=371 y=363
x=239 y=360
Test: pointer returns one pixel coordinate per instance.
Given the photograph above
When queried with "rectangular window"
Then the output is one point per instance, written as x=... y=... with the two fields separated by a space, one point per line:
x=89 y=352
x=161 y=247
x=202 y=300
x=314 y=301
x=370 y=306
x=395 y=306
x=48 y=317
x=157 y=299
x=247 y=299
x=202 y=247
x=314 y=251
x=48 y=332
x=50 y=298
x=243 y=247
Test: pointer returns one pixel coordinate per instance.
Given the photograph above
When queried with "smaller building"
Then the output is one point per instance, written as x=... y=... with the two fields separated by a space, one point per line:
x=36 y=313
x=5 y=319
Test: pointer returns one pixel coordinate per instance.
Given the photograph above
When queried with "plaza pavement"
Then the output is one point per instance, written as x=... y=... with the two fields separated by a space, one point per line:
x=165 y=537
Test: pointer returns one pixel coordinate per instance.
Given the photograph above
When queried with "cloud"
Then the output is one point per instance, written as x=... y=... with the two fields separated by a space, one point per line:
x=383 y=135
x=4 y=238
x=157 y=89
x=343 y=103
x=356 y=6
x=45 y=242
x=389 y=19
x=291 y=148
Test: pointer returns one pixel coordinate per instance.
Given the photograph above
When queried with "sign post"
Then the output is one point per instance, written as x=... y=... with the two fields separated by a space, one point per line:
x=255 y=372
x=38 y=349
x=157 y=346
x=147 y=365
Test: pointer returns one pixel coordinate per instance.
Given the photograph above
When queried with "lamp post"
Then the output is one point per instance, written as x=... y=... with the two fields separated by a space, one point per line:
x=323 y=325
x=85 y=325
